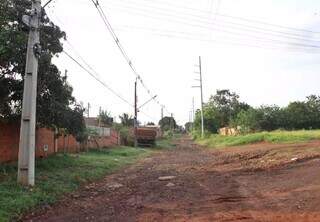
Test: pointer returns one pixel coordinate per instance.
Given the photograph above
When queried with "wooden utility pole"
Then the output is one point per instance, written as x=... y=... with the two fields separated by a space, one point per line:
x=135 y=114
x=26 y=161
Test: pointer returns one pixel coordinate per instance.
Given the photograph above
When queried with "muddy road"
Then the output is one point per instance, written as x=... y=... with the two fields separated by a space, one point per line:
x=260 y=182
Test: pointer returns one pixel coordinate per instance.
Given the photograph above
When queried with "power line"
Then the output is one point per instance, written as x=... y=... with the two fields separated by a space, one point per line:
x=297 y=44
x=234 y=41
x=97 y=79
x=104 y=84
x=121 y=48
x=216 y=22
x=269 y=24
x=218 y=14
x=93 y=73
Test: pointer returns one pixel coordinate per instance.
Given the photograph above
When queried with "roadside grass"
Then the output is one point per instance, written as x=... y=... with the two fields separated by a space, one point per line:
x=272 y=137
x=167 y=141
x=58 y=175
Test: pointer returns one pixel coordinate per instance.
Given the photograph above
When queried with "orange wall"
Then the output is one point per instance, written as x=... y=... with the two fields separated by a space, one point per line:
x=9 y=142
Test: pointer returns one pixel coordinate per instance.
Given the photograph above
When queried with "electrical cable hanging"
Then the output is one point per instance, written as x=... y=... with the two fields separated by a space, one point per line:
x=276 y=41
x=121 y=48
x=92 y=72
x=97 y=79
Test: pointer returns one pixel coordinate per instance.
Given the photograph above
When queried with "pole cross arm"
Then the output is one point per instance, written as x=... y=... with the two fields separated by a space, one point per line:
x=45 y=5
x=147 y=102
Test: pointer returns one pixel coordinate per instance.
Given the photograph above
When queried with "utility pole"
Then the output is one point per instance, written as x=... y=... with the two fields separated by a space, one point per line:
x=202 y=123
x=65 y=74
x=26 y=157
x=88 y=110
x=192 y=112
x=201 y=91
x=162 y=112
x=100 y=111
x=135 y=114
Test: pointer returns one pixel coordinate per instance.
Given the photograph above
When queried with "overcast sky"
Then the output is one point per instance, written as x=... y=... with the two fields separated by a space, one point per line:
x=264 y=64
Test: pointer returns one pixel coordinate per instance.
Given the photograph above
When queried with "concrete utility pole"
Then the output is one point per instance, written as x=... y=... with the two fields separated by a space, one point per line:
x=26 y=157
x=65 y=74
x=202 y=122
x=135 y=122
x=88 y=110
x=201 y=91
x=100 y=111
x=162 y=112
x=192 y=112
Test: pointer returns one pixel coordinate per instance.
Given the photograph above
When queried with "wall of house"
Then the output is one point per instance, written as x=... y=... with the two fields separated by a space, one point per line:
x=45 y=142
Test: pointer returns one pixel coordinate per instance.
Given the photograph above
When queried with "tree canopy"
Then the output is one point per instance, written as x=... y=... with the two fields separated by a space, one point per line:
x=105 y=118
x=167 y=123
x=126 y=120
x=219 y=110
x=55 y=103
x=225 y=109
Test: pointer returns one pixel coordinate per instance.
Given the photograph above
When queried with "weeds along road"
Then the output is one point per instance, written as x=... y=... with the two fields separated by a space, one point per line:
x=254 y=183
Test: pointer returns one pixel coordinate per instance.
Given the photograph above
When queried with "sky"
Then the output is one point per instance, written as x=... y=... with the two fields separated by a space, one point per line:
x=263 y=63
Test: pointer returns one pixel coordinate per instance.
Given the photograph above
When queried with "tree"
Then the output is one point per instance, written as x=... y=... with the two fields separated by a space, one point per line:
x=167 y=123
x=151 y=124
x=105 y=118
x=126 y=120
x=54 y=96
x=298 y=116
x=226 y=105
x=188 y=126
x=248 y=120
x=211 y=117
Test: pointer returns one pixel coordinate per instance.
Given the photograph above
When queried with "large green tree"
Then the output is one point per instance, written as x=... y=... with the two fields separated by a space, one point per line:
x=55 y=103
x=105 y=118
x=226 y=105
x=168 y=123
x=126 y=120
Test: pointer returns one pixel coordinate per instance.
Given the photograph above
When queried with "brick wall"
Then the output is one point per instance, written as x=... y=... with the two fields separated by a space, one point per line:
x=9 y=142
x=45 y=142
x=101 y=142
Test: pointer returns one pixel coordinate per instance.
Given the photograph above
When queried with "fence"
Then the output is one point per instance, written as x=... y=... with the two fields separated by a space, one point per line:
x=47 y=144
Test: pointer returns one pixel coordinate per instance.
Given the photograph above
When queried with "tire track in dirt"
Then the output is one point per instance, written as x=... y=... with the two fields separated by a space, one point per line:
x=207 y=186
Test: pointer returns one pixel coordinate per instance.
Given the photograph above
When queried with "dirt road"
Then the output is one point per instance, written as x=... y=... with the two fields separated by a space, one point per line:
x=255 y=183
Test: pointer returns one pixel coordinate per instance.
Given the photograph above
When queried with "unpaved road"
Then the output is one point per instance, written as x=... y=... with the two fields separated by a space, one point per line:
x=260 y=182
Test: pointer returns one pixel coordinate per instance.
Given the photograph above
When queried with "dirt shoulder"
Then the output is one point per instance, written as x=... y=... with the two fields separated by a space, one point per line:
x=262 y=182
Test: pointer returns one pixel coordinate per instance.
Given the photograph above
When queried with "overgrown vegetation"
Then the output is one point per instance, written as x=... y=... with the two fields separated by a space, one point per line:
x=225 y=110
x=167 y=141
x=58 y=175
x=215 y=140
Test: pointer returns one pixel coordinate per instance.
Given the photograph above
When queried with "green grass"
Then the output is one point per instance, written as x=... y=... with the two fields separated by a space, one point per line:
x=58 y=175
x=272 y=137
x=167 y=141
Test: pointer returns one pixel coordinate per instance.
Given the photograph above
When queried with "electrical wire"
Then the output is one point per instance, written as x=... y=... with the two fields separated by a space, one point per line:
x=121 y=48
x=233 y=41
x=91 y=71
x=297 y=44
x=97 y=79
x=216 y=21
x=150 y=3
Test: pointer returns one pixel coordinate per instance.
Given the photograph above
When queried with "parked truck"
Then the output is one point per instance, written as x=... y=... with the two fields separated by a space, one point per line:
x=146 y=136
